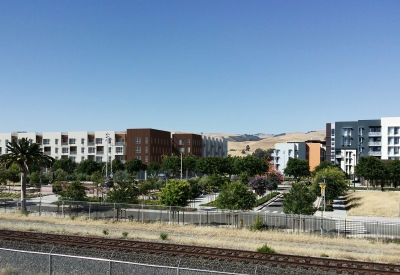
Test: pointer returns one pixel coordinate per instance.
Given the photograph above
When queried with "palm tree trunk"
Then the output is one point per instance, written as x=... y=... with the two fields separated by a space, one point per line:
x=23 y=191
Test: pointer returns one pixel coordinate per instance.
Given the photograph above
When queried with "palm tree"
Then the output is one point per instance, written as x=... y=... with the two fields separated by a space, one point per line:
x=24 y=153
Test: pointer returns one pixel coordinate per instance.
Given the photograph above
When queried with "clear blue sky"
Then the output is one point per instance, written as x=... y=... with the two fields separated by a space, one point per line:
x=197 y=66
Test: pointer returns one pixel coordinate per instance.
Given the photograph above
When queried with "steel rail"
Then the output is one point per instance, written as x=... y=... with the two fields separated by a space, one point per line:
x=283 y=260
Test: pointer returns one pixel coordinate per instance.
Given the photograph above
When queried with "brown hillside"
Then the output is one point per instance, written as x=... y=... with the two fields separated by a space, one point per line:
x=269 y=142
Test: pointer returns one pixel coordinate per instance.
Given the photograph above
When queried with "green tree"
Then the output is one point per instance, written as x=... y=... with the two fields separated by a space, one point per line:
x=34 y=177
x=117 y=165
x=13 y=173
x=171 y=164
x=297 y=168
x=144 y=187
x=74 y=192
x=134 y=166
x=250 y=165
x=88 y=167
x=98 y=180
x=247 y=147
x=24 y=153
x=322 y=166
x=60 y=177
x=153 y=168
x=176 y=193
x=189 y=163
x=335 y=183
x=370 y=168
x=263 y=154
x=235 y=196
x=300 y=200
x=122 y=192
x=67 y=165
x=393 y=169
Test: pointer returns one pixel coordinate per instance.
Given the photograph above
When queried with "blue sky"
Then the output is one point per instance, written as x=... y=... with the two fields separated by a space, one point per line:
x=197 y=66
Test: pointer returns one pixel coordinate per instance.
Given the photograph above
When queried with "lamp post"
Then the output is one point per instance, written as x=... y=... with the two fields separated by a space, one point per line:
x=354 y=174
x=181 y=163
x=107 y=137
x=322 y=185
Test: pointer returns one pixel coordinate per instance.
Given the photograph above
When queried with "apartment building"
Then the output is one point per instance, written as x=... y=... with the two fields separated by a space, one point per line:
x=148 y=145
x=346 y=141
x=311 y=150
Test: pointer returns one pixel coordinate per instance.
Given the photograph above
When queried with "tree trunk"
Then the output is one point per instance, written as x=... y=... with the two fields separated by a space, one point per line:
x=23 y=191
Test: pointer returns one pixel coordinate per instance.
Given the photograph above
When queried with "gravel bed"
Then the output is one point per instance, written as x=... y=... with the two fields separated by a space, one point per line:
x=24 y=263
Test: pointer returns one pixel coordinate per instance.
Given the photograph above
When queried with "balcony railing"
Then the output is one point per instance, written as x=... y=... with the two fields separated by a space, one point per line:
x=375 y=143
x=375 y=153
x=374 y=134
x=90 y=143
x=73 y=152
x=339 y=156
x=100 y=153
x=64 y=143
x=46 y=153
x=120 y=143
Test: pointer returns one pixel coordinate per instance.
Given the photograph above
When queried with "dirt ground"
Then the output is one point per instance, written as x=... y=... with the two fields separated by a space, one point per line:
x=373 y=203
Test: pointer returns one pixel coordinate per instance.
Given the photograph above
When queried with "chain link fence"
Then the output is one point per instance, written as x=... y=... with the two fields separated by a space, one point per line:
x=207 y=216
x=41 y=263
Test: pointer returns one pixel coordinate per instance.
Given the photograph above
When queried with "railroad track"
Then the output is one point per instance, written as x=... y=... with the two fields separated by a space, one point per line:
x=282 y=260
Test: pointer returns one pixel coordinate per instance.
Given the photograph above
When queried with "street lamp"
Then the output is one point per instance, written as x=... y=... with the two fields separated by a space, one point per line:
x=354 y=172
x=40 y=193
x=323 y=186
x=181 y=163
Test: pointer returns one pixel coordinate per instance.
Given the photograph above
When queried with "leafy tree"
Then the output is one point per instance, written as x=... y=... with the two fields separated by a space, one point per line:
x=88 y=167
x=273 y=179
x=247 y=147
x=259 y=185
x=13 y=173
x=335 y=183
x=263 y=154
x=297 y=168
x=300 y=200
x=67 y=165
x=120 y=176
x=34 y=177
x=74 y=192
x=123 y=192
x=144 y=186
x=393 y=169
x=323 y=165
x=117 y=165
x=153 y=168
x=370 y=168
x=135 y=166
x=235 y=196
x=189 y=163
x=171 y=164
x=176 y=193
x=24 y=153
x=195 y=187
x=59 y=178
x=98 y=180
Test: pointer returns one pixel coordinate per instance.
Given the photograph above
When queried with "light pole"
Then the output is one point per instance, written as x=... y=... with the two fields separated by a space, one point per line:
x=181 y=164
x=322 y=185
x=354 y=172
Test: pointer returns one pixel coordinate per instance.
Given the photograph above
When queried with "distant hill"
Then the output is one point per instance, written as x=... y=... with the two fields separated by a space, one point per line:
x=239 y=142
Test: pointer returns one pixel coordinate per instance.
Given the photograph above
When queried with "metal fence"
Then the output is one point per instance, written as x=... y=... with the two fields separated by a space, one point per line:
x=212 y=217
x=32 y=262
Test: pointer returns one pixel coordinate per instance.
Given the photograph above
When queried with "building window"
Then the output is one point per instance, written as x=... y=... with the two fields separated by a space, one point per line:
x=65 y=150
x=91 y=150
x=138 y=140
x=188 y=141
x=118 y=150
x=347 y=140
x=109 y=149
x=182 y=149
x=72 y=158
x=56 y=150
x=332 y=132
x=189 y=150
x=56 y=158
x=146 y=150
x=99 y=141
x=99 y=159
x=347 y=132
x=146 y=159
x=46 y=141
x=396 y=130
x=82 y=158
x=138 y=157
x=82 y=150
x=146 y=140
x=82 y=141
x=71 y=141
x=181 y=142
x=138 y=149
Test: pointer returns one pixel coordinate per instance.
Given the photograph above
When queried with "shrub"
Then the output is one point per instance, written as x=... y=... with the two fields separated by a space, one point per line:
x=105 y=231
x=257 y=224
x=124 y=234
x=163 y=236
x=324 y=255
x=266 y=249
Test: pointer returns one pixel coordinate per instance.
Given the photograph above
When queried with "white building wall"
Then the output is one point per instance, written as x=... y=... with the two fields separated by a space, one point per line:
x=390 y=129
x=54 y=142
x=282 y=153
x=4 y=139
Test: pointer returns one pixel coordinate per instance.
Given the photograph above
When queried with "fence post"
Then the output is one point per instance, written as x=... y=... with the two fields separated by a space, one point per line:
x=377 y=232
x=110 y=263
x=177 y=268
x=50 y=267
x=255 y=270
x=345 y=228
x=114 y=211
